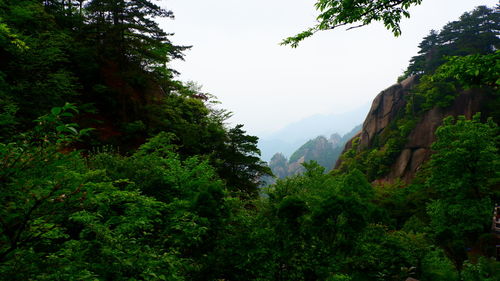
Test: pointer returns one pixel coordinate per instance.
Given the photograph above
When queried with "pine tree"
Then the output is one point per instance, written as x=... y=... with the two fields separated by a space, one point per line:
x=475 y=32
x=126 y=30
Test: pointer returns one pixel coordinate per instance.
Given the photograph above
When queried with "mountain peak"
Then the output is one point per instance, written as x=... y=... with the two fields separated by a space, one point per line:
x=335 y=139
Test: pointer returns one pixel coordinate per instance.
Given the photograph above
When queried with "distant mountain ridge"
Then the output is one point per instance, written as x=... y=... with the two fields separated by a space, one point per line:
x=289 y=138
x=320 y=149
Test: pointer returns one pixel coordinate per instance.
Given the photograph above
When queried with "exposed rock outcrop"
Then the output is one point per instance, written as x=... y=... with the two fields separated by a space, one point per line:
x=385 y=108
x=279 y=165
x=320 y=149
x=390 y=104
x=335 y=139
x=423 y=135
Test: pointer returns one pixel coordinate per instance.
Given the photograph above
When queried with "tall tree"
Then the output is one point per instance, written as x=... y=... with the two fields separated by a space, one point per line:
x=127 y=30
x=476 y=32
x=427 y=50
x=464 y=176
x=238 y=161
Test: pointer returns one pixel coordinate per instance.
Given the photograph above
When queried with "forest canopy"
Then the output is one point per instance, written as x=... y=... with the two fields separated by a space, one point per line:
x=111 y=169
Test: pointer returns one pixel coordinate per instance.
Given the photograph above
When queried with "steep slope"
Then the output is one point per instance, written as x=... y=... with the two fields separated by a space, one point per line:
x=320 y=149
x=387 y=109
x=279 y=165
x=417 y=149
x=455 y=73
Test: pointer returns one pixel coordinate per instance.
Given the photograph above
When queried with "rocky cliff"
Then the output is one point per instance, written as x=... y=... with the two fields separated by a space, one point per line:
x=279 y=165
x=323 y=150
x=389 y=105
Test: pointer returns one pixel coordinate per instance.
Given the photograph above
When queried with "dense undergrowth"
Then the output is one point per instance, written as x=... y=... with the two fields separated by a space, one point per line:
x=142 y=180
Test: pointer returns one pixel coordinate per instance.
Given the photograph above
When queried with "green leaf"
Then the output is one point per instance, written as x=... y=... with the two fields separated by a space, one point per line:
x=73 y=130
x=56 y=110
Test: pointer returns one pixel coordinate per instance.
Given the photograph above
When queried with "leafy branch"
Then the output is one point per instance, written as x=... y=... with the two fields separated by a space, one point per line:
x=337 y=13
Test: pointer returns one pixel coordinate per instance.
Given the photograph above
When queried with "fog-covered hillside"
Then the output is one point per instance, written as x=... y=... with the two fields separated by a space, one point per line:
x=292 y=136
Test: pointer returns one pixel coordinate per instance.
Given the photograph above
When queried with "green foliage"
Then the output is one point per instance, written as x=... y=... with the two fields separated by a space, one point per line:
x=39 y=186
x=180 y=202
x=460 y=57
x=436 y=266
x=155 y=215
x=238 y=161
x=69 y=51
x=389 y=256
x=434 y=93
x=376 y=162
x=451 y=204
x=110 y=217
x=8 y=37
x=457 y=73
x=340 y=277
x=319 y=150
x=471 y=71
x=8 y=120
x=464 y=175
x=336 y=13
x=474 y=33
x=467 y=158
x=483 y=270
x=127 y=29
x=37 y=75
x=324 y=151
x=231 y=151
x=319 y=220
x=54 y=129
x=111 y=57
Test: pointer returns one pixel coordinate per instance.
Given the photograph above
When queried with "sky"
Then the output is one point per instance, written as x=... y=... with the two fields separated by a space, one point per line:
x=236 y=56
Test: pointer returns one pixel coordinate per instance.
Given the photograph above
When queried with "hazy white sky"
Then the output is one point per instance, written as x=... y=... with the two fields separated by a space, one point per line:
x=236 y=56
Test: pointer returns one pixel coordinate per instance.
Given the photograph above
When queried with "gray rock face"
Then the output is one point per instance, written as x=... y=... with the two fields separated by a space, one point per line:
x=384 y=110
x=279 y=165
x=335 y=139
x=423 y=135
x=389 y=104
